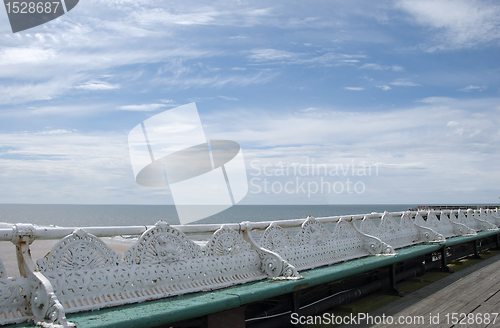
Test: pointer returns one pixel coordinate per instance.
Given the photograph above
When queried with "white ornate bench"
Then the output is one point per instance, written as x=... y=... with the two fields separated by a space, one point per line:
x=443 y=225
x=398 y=235
x=316 y=246
x=86 y=274
x=489 y=216
x=82 y=273
x=472 y=220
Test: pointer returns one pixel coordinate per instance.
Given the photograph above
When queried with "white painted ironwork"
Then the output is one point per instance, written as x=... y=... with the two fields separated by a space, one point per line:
x=40 y=302
x=82 y=273
x=315 y=246
x=12 y=298
x=86 y=274
x=489 y=216
x=402 y=234
x=272 y=263
x=470 y=219
x=443 y=225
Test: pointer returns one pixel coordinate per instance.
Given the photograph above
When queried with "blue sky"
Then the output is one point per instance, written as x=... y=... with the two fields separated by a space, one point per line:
x=411 y=88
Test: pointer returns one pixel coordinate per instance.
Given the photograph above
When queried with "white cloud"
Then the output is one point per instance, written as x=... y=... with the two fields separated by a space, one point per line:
x=404 y=83
x=456 y=23
x=437 y=100
x=24 y=92
x=74 y=167
x=57 y=111
x=372 y=66
x=142 y=108
x=201 y=15
x=167 y=101
x=20 y=55
x=470 y=88
x=54 y=131
x=228 y=98
x=302 y=58
x=349 y=61
x=384 y=87
x=187 y=81
x=354 y=88
x=415 y=145
x=61 y=166
x=97 y=85
x=378 y=67
x=271 y=55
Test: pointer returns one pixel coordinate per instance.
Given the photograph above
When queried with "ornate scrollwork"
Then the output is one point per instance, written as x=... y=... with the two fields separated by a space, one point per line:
x=275 y=237
x=79 y=250
x=488 y=215
x=272 y=264
x=367 y=226
x=443 y=225
x=226 y=241
x=386 y=250
x=400 y=235
x=13 y=293
x=473 y=216
x=357 y=242
x=459 y=229
x=47 y=310
x=162 y=244
x=275 y=267
x=471 y=221
x=424 y=234
x=345 y=230
x=389 y=226
x=313 y=233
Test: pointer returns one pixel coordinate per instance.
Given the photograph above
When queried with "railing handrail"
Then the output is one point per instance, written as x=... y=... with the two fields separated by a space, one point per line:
x=54 y=232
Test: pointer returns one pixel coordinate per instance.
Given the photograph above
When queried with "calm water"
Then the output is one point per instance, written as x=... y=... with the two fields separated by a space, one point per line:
x=120 y=215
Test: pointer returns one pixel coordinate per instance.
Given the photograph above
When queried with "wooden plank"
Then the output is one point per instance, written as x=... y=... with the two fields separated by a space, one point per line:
x=478 y=294
x=474 y=289
x=463 y=296
x=494 y=295
x=446 y=298
x=492 y=305
x=469 y=293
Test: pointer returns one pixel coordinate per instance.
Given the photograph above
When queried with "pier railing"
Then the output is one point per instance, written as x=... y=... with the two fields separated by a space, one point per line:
x=82 y=273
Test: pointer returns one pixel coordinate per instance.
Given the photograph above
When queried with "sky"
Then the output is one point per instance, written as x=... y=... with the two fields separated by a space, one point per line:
x=376 y=102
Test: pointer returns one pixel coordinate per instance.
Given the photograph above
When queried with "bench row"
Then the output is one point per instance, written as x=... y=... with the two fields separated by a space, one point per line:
x=82 y=273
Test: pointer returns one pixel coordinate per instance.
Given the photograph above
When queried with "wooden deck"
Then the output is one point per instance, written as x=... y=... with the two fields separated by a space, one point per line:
x=471 y=292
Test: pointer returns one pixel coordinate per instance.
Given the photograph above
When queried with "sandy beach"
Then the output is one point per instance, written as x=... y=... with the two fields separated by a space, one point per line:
x=39 y=248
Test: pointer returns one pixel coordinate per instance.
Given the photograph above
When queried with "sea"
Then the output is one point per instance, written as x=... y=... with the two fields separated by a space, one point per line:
x=136 y=215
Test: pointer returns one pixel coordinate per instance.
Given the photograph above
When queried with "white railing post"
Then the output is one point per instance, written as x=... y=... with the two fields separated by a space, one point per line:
x=41 y=301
